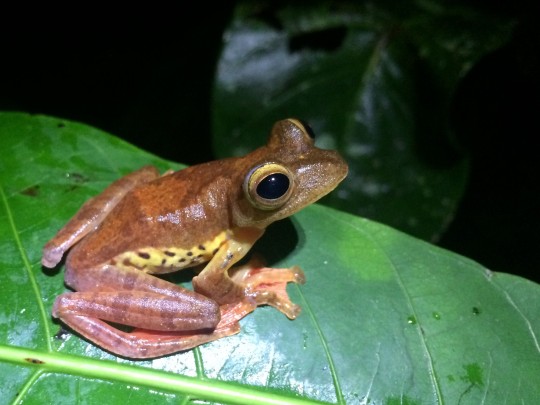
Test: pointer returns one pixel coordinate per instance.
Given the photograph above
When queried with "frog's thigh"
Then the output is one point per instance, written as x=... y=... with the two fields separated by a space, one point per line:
x=131 y=297
x=113 y=278
x=131 y=286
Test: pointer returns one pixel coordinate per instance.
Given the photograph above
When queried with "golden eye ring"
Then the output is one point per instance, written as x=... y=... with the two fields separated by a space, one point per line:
x=268 y=186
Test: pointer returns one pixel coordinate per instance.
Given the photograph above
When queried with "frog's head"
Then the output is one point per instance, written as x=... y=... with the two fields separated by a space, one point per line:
x=285 y=175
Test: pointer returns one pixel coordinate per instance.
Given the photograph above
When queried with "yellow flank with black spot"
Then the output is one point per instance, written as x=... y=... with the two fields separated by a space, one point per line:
x=167 y=259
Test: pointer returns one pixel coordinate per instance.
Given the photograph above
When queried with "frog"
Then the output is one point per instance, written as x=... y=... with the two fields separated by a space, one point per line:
x=119 y=246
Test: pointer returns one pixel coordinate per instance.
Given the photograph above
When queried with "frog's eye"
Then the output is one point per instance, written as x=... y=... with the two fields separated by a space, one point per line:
x=307 y=129
x=304 y=126
x=268 y=186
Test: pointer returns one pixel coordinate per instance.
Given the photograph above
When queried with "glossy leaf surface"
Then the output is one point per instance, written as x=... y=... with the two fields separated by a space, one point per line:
x=386 y=318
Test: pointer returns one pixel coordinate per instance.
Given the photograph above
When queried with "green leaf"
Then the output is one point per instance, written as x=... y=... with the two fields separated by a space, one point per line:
x=386 y=318
x=374 y=81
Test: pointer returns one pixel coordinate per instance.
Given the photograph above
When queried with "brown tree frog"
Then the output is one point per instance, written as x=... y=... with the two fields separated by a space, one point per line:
x=145 y=224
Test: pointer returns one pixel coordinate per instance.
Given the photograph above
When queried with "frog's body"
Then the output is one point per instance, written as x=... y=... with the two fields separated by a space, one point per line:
x=145 y=224
x=148 y=226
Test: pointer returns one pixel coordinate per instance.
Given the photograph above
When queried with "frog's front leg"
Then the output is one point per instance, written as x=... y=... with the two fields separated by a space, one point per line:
x=92 y=213
x=173 y=317
x=268 y=286
x=240 y=290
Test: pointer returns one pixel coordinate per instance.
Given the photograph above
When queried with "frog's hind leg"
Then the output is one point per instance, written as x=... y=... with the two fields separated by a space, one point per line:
x=92 y=213
x=175 y=318
x=142 y=343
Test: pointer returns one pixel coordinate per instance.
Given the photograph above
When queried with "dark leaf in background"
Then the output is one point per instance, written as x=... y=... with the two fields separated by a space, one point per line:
x=375 y=82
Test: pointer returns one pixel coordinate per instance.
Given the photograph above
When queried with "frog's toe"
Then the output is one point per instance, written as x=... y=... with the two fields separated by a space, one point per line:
x=286 y=307
x=298 y=274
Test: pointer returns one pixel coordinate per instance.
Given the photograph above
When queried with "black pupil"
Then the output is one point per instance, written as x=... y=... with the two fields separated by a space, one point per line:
x=273 y=186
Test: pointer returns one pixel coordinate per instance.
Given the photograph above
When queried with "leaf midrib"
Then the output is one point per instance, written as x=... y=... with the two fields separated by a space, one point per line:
x=326 y=348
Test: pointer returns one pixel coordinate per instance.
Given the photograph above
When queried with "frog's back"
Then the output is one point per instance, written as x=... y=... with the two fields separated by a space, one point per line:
x=172 y=222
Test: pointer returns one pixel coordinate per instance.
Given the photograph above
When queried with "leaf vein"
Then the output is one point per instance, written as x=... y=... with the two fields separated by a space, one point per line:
x=527 y=322
x=27 y=266
x=431 y=366
x=326 y=348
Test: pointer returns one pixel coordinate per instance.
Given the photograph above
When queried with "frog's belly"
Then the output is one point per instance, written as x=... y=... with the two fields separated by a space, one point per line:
x=158 y=260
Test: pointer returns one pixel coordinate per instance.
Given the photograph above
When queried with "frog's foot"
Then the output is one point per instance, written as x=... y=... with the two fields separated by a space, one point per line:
x=143 y=343
x=268 y=286
x=232 y=313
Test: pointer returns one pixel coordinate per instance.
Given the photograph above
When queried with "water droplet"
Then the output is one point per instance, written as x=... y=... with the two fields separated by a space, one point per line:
x=411 y=320
x=436 y=315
